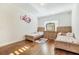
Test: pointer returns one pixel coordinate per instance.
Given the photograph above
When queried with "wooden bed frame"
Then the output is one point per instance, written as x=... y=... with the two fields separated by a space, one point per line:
x=67 y=46
x=32 y=38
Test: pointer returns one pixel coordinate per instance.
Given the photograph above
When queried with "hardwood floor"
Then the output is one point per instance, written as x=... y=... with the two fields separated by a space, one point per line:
x=28 y=48
x=64 y=52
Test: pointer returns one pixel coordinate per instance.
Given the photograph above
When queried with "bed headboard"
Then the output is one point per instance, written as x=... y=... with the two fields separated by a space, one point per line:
x=40 y=29
x=64 y=29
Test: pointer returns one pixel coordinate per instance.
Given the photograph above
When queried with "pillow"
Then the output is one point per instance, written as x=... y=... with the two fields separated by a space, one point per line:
x=64 y=34
x=61 y=34
x=69 y=34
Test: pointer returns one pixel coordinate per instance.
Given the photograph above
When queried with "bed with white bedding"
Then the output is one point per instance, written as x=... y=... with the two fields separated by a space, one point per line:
x=67 y=42
x=34 y=36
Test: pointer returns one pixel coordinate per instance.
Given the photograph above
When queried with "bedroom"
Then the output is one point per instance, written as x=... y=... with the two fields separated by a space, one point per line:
x=62 y=16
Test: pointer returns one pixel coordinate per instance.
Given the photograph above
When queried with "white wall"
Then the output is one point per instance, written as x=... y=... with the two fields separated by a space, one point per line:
x=75 y=20
x=12 y=29
x=64 y=19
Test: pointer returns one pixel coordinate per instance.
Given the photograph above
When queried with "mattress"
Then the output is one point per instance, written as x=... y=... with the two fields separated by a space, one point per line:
x=34 y=36
x=67 y=39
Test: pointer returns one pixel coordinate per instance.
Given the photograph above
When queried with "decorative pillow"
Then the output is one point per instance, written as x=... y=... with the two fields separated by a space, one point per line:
x=64 y=34
x=59 y=34
x=69 y=34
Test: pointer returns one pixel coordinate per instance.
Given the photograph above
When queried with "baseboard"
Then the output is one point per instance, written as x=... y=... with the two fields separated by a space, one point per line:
x=11 y=42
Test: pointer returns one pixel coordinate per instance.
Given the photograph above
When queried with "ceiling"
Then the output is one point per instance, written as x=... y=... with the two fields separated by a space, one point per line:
x=43 y=8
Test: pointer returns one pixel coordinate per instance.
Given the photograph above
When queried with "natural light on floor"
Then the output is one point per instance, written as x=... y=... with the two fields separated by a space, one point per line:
x=19 y=51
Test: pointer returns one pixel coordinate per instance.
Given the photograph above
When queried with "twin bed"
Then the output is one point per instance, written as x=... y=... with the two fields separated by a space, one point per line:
x=66 y=40
x=34 y=36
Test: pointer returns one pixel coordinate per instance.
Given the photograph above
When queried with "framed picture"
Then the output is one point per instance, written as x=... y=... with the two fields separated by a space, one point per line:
x=26 y=18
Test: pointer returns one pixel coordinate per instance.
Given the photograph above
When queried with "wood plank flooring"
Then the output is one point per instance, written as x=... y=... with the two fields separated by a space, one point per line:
x=63 y=52
x=28 y=48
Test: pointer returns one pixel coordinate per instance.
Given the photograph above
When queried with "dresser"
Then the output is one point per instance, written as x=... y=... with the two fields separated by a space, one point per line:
x=50 y=34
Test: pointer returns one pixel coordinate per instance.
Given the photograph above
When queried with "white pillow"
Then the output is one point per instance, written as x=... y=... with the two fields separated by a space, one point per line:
x=69 y=34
